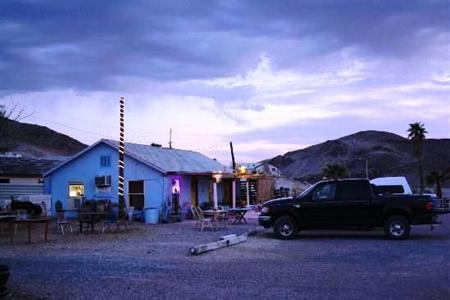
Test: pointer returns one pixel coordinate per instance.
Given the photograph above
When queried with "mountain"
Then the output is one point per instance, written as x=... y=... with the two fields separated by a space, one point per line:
x=34 y=141
x=387 y=154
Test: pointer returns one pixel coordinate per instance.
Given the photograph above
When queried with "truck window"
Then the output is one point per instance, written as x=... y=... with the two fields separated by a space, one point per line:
x=324 y=192
x=388 y=189
x=353 y=190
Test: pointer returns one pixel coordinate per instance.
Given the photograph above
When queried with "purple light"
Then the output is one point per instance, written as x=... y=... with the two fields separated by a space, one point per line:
x=176 y=186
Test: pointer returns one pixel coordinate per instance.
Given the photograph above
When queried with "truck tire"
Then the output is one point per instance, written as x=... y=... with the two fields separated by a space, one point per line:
x=397 y=228
x=285 y=228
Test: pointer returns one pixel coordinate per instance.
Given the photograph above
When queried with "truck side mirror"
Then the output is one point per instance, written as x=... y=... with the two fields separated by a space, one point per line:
x=308 y=198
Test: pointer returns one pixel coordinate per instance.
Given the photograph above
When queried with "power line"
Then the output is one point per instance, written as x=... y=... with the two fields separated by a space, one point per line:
x=140 y=138
x=74 y=128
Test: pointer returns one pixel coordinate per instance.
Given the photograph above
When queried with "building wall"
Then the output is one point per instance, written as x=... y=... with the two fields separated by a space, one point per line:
x=15 y=189
x=19 y=186
x=87 y=166
x=204 y=190
x=24 y=180
x=185 y=197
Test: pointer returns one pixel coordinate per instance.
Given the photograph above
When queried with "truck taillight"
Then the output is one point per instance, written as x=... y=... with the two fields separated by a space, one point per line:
x=429 y=206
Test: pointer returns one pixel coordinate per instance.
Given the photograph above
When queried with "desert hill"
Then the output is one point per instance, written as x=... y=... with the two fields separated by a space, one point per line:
x=34 y=141
x=387 y=154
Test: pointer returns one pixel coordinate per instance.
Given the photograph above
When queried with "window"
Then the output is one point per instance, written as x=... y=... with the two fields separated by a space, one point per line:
x=136 y=194
x=105 y=161
x=353 y=190
x=76 y=190
x=324 y=192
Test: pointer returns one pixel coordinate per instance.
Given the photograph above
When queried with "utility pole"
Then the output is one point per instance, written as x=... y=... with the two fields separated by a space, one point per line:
x=233 y=183
x=121 y=178
x=232 y=157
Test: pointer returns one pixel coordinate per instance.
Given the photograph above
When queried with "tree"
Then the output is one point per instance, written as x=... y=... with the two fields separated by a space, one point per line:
x=334 y=171
x=437 y=178
x=416 y=134
x=9 y=112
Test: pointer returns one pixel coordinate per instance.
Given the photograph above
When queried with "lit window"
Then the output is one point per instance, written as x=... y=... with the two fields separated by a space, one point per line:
x=105 y=161
x=76 y=190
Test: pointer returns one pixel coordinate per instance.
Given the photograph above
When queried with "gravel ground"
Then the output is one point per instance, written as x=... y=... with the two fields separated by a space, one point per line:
x=154 y=262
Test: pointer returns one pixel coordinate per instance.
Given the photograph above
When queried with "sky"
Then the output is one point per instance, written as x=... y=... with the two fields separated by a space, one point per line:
x=271 y=76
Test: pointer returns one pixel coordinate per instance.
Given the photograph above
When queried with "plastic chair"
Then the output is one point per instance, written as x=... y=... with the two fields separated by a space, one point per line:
x=202 y=222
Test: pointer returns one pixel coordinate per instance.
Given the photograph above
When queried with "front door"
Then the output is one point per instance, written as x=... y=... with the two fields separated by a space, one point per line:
x=227 y=186
x=353 y=203
x=194 y=191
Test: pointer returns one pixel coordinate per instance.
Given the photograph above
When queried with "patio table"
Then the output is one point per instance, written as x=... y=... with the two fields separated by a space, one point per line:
x=216 y=215
x=239 y=215
x=29 y=223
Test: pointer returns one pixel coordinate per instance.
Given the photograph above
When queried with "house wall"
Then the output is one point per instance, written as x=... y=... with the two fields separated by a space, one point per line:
x=185 y=198
x=203 y=189
x=23 y=180
x=85 y=167
x=19 y=186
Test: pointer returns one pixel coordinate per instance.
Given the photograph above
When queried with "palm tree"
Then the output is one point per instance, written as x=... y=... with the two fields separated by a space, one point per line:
x=334 y=171
x=416 y=134
x=438 y=178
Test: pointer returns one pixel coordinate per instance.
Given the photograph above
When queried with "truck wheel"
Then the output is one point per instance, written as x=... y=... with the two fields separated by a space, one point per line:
x=397 y=228
x=285 y=228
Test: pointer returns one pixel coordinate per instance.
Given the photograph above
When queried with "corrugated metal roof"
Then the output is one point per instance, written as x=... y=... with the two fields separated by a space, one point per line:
x=25 y=166
x=171 y=160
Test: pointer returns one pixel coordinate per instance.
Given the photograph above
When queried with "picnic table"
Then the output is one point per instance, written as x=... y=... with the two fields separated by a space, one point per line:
x=13 y=219
x=7 y=218
x=239 y=215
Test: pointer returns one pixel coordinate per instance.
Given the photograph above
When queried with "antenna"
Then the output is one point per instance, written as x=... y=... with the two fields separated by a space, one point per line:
x=170 y=139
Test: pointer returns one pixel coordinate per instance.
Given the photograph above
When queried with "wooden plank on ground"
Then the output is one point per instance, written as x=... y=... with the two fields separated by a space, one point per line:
x=225 y=241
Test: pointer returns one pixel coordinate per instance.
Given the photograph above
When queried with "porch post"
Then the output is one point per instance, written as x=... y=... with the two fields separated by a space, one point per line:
x=215 y=195
x=247 y=185
x=233 y=193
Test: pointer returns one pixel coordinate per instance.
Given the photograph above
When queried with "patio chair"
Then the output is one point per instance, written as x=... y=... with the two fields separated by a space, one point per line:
x=62 y=222
x=201 y=221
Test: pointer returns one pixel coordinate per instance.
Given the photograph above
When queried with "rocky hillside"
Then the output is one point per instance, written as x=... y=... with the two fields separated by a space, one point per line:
x=387 y=154
x=34 y=141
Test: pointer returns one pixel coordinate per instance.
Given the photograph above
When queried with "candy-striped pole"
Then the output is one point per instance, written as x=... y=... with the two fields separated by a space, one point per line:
x=122 y=158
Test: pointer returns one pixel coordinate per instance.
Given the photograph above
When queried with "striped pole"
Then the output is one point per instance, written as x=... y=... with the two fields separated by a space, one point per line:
x=122 y=158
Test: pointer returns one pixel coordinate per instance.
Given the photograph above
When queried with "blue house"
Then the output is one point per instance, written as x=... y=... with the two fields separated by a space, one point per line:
x=155 y=177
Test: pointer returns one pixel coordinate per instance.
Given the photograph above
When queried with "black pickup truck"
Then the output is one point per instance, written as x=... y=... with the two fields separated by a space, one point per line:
x=347 y=203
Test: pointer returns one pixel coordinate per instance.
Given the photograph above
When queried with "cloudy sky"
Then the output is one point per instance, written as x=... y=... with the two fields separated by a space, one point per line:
x=271 y=76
